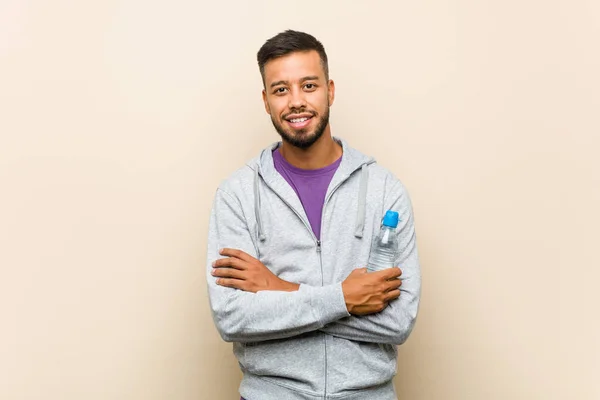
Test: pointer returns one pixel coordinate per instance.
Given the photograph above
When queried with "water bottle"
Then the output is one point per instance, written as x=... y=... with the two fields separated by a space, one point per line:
x=385 y=245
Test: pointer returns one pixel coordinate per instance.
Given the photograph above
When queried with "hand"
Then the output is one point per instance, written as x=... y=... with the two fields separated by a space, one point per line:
x=370 y=292
x=242 y=271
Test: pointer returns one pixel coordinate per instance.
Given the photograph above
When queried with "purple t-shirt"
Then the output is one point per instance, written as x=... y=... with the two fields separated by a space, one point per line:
x=310 y=185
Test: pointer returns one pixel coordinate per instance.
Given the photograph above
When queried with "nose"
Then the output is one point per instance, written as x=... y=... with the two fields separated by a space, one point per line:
x=297 y=99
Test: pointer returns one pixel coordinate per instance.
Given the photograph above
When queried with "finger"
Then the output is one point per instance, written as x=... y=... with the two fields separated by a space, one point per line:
x=230 y=283
x=230 y=262
x=236 y=253
x=393 y=272
x=381 y=307
x=392 y=295
x=393 y=284
x=228 y=273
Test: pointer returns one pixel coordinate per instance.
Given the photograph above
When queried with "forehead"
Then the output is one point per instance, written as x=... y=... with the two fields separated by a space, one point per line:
x=293 y=67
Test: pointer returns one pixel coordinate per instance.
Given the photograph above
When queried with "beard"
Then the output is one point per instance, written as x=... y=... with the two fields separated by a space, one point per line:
x=301 y=138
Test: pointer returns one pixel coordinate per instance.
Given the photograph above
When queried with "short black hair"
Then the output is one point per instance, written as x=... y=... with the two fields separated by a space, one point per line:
x=288 y=42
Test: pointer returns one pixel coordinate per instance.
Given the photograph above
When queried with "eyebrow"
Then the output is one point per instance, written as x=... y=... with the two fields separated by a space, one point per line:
x=306 y=78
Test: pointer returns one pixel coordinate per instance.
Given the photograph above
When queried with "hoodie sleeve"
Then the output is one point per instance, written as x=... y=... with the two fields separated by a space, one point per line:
x=250 y=317
x=394 y=324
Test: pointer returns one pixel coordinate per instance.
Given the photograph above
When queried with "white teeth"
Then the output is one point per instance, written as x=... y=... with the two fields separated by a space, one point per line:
x=296 y=120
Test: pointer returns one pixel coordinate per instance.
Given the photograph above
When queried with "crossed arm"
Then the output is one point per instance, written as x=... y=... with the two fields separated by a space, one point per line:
x=250 y=303
x=363 y=293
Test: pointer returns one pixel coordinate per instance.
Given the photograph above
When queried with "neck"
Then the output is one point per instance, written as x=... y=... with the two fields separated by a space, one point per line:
x=322 y=153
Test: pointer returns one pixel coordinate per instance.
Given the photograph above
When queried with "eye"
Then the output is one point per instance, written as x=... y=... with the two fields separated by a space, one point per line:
x=310 y=86
x=280 y=90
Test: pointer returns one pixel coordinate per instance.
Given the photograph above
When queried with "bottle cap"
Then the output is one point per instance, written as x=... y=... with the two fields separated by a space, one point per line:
x=391 y=219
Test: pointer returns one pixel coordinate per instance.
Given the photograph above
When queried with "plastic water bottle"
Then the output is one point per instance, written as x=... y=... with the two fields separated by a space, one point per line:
x=385 y=245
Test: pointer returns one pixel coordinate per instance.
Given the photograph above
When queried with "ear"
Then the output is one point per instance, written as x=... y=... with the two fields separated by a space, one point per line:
x=264 y=97
x=331 y=91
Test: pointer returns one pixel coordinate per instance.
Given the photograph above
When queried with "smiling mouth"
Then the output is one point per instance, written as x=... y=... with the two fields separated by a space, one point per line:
x=299 y=122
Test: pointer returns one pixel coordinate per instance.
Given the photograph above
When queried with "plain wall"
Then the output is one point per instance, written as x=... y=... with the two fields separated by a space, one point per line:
x=119 y=118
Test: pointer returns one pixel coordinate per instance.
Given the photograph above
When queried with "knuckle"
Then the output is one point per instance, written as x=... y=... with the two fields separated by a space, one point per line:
x=226 y=282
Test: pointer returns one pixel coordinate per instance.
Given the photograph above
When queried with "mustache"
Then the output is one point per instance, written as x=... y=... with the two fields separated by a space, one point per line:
x=300 y=111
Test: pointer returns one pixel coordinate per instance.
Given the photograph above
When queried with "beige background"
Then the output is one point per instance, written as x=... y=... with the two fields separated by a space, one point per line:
x=119 y=118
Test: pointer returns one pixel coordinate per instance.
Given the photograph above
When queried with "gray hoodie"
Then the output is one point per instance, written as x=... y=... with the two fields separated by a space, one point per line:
x=305 y=344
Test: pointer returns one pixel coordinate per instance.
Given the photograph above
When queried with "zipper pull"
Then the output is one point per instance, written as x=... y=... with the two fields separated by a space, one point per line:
x=318 y=246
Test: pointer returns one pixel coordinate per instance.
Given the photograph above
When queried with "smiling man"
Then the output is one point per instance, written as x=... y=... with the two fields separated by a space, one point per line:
x=287 y=233
x=300 y=118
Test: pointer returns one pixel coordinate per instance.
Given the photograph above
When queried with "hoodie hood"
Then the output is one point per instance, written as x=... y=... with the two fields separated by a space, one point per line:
x=352 y=162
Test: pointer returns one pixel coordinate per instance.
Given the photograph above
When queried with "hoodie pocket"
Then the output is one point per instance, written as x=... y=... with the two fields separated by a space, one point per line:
x=359 y=365
x=296 y=362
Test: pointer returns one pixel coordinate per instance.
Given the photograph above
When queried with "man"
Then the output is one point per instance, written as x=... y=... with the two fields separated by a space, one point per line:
x=287 y=233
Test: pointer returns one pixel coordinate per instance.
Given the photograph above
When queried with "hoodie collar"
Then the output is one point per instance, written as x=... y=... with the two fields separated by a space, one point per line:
x=352 y=160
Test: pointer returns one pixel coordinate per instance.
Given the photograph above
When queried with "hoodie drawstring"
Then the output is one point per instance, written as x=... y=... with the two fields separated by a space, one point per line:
x=362 y=202
x=261 y=231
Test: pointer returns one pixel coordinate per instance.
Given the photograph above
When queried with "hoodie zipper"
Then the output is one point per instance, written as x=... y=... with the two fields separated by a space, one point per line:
x=323 y=274
x=333 y=190
x=318 y=245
